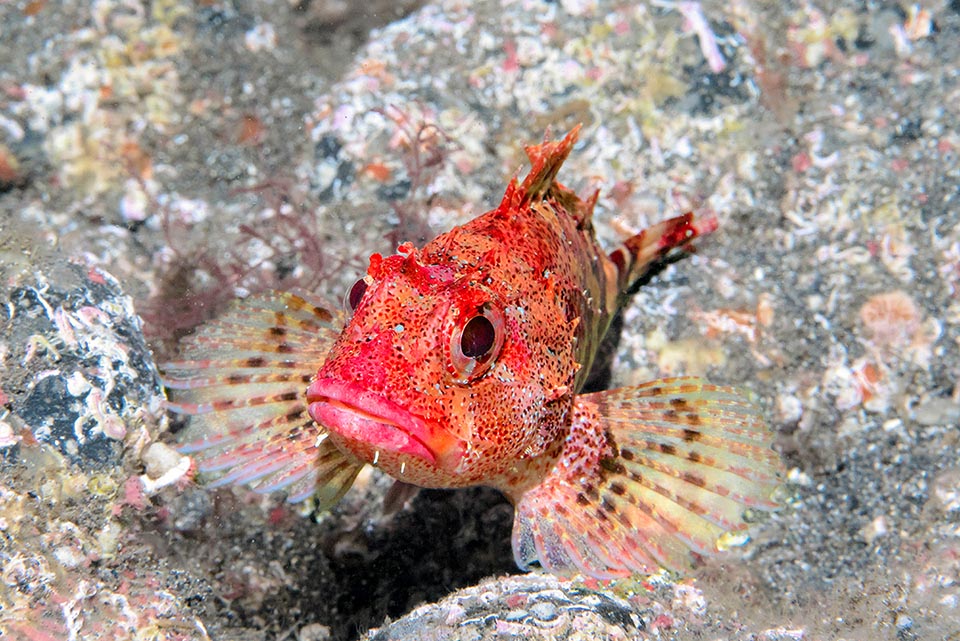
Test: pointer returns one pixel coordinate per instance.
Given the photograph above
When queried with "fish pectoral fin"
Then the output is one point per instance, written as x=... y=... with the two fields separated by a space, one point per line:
x=242 y=381
x=651 y=476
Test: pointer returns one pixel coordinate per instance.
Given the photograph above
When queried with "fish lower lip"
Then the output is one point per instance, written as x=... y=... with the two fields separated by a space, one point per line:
x=352 y=412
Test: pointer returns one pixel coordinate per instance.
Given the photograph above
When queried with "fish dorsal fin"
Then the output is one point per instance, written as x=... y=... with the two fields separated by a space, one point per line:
x=545 y=162
x=641 y=256
x=652 y=476
x=242 y=380
x=541 y=182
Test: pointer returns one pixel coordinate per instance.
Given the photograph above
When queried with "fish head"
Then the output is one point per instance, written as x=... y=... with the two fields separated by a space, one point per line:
x=427 y=379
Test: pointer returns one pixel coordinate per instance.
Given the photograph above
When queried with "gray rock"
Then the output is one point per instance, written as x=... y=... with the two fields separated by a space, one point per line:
x=532 y=606
x=81 y=399
x=78 y=372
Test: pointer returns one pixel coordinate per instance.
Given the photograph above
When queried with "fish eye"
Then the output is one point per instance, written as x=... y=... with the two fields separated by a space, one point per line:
x=476 y=343
x=355 y=294
x=477 y=337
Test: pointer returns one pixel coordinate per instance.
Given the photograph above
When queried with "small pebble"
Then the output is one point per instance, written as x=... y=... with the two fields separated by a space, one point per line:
x=159 y=459
x=544 y=611
x=946 y=490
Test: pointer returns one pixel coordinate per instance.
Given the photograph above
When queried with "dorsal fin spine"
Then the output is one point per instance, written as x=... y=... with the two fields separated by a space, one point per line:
x=546 y=160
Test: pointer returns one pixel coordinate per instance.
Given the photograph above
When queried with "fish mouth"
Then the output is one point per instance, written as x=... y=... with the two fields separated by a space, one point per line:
x=361 y=415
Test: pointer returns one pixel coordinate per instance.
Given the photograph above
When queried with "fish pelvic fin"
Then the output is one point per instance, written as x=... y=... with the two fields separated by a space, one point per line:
x=242 y=381
x=642 y=256
x=653 y=476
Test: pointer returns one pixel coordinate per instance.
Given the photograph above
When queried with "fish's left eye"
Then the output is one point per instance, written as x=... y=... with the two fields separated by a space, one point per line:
x=475 y=343
x=355 y=294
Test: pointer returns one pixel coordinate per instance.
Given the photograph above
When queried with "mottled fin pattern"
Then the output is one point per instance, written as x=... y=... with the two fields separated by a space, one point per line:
x=243 y=381
x=643 y=255
x=651 y=476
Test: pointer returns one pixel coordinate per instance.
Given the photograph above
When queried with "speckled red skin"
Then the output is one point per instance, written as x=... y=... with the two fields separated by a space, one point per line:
x=535 y=258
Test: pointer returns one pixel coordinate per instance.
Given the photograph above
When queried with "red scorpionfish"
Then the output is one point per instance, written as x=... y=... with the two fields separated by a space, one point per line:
x=462 y=364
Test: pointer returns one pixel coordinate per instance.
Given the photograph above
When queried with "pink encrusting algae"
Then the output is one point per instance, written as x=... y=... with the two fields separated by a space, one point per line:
x=462 y=363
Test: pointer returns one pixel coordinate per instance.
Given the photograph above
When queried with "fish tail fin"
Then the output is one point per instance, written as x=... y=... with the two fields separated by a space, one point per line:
x=242 y=380
x=652 y=476
x=640 y=257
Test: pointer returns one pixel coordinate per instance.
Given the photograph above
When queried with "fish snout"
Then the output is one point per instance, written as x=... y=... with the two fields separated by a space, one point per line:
x=373 y=422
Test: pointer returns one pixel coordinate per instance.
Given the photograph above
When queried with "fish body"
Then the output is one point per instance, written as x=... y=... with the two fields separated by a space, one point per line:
x=463 y=363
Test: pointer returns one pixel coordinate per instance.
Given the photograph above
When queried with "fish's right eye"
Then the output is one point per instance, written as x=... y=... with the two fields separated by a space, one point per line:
x=355 y=294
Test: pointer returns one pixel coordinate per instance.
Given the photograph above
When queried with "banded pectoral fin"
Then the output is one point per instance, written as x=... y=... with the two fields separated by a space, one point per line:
x=243 y=381
x=651 y=476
